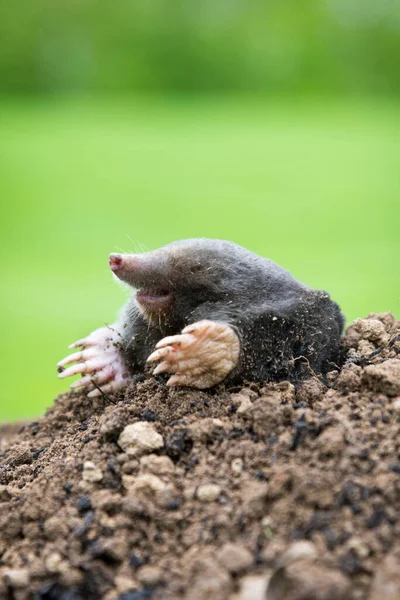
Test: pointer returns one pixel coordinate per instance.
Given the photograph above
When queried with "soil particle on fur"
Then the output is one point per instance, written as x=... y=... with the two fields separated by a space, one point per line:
x=264 y=492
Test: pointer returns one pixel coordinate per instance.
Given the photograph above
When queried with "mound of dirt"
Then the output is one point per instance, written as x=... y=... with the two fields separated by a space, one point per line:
x=255 y=493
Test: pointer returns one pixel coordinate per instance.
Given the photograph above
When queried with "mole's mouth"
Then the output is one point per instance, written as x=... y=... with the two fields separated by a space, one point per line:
x=154 y=299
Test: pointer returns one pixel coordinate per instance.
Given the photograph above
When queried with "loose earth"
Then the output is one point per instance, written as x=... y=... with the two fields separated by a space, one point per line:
x=260 y=492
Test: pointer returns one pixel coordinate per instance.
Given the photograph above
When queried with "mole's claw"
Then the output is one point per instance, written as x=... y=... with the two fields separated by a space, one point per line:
x=76 y=357
x=157 y=354
x=75 y=370
x=99 y=377
x=162 y=367
x=175 y=340
x=70 y=359
x=99 y=360
x=77 y=344
x=201 y=356
x=176 y=380
x=82 y=382
x=89 y=366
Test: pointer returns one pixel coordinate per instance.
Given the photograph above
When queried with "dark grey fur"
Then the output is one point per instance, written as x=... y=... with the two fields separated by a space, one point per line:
x=286 y=329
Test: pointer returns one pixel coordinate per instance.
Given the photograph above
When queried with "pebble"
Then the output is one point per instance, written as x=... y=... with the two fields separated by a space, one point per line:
x=234 y=557
x=396 y=404
x=91 y=473
x=253 y=587
x=236 y=466
x=146 y=483
x=125 y=584
x=17 y=578
x=244 y=406
x=359 y=547
x=53 y=562
x=299 y=551
x=140 y=438
x=208 y=492
x=149 y=575
x=159 y=465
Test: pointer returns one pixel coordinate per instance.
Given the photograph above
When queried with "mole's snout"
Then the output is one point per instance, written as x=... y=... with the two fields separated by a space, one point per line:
x=116 y=262
x=130 y=268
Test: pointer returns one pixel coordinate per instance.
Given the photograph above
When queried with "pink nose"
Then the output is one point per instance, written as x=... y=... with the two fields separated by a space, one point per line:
x=116 y=262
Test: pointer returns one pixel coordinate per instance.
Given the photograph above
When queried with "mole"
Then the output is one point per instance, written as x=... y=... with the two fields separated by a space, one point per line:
x=208 y=311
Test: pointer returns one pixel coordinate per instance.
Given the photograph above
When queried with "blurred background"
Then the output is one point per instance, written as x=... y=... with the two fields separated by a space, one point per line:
x=124 y=126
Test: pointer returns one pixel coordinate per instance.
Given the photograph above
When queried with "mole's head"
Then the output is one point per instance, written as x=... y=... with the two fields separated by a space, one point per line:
x=175 y=279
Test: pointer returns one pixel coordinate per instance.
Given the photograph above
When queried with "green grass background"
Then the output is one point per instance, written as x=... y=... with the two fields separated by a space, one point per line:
x=311 y=184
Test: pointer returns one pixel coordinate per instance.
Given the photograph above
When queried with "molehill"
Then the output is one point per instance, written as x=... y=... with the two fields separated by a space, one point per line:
x=264 y=492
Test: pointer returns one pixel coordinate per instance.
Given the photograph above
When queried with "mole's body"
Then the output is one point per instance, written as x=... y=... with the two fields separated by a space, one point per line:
x=210 y=311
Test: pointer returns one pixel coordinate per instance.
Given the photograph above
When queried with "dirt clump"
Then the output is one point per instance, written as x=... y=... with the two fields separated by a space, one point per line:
x=260 y=492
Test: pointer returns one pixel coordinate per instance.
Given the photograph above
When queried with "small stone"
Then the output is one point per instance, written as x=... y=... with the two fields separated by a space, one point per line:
x=299 y=551
x=396 y=404
x=253 y=587
x=91 y=473
x=125 y=584
x=146 y=483
x=244 y=406
x=359 y=547
x=159 y=465
x=234 y=557
x=140 y=438
x=266 y=521
x=71 y=577
x=17 y=578
x=236 y=466
x=53 y=562
x=149 y=575
x=208 y=492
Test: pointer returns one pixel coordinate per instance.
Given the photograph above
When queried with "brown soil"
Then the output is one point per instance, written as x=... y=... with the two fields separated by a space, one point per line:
x=258 y=493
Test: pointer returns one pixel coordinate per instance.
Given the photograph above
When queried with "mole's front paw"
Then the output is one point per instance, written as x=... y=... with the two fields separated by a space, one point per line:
x=99 y=360
x=201 y=356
